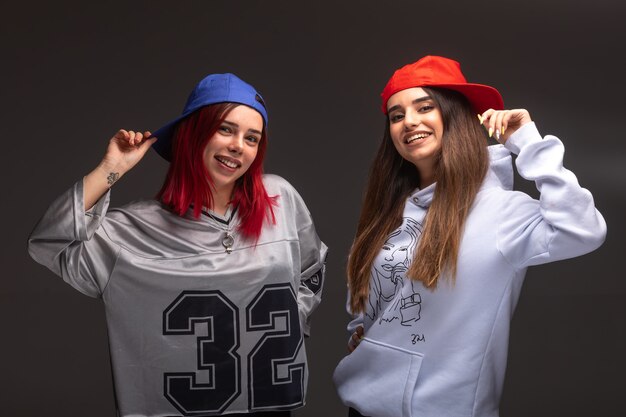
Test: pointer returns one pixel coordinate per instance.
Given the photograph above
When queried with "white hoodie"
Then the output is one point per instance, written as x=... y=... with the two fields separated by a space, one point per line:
x=442 y=353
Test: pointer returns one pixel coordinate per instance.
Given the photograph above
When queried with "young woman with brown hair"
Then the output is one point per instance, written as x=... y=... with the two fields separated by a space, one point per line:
x=443 y=244
x=208 y=288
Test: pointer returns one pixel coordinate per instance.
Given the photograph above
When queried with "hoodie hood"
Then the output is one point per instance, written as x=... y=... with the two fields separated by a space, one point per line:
x=499 y=174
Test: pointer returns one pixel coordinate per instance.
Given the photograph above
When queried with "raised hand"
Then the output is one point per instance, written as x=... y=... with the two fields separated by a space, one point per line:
x=502 y=123
x=125 y=150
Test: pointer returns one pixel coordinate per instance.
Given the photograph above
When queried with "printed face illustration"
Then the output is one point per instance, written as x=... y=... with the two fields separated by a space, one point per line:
x=389 y=288
x=396 y=255
x=397 y=252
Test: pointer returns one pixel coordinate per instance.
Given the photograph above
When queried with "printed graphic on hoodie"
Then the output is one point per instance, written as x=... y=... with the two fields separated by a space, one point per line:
x=392 y=297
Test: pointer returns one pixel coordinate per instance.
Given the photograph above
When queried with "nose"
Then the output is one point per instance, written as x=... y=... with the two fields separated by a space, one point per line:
x=236 y=144
x=411 y=118
x=401 y=254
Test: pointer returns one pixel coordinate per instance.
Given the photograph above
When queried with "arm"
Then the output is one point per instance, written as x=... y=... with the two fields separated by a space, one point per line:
x=355 y=328
x=66 y=239
x=125 y=150
x=312 y=259
x=564 y=222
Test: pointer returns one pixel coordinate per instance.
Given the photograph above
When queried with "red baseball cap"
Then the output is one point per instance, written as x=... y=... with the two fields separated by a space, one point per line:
x=437 y=71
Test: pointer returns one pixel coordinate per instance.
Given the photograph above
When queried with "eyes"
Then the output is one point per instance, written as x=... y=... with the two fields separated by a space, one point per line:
x=400 y=249
x=227 y=130
x=422 y=108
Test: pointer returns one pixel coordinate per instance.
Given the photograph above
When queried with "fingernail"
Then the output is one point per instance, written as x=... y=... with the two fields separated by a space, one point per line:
x=503 y=129
x=497 y=134
x=490 y=131
x=480 y=118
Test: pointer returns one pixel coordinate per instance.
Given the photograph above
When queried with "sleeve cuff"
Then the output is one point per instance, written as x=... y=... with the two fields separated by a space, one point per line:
x=525 y=135
x=87 y=222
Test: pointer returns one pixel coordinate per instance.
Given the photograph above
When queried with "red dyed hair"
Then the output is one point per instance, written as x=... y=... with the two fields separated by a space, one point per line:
x=188 y=181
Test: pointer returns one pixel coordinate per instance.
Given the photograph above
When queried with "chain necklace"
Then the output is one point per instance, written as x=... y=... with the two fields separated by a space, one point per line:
x=226 y=226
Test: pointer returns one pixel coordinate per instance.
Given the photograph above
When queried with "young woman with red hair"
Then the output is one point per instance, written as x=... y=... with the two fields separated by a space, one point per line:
x=208 y=289
x=443 y=244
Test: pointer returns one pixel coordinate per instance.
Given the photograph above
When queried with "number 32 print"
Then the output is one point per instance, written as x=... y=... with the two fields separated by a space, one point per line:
x=268 y=386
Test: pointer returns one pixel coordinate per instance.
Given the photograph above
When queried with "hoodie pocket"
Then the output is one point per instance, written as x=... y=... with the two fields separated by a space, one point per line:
x=378 y=379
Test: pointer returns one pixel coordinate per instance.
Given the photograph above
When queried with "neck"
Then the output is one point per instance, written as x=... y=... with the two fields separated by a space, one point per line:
x=221 y=199
x=427 y=176
x=425 y=182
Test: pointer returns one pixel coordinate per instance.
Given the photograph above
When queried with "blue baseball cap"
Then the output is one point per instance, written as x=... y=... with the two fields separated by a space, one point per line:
x=215 y=88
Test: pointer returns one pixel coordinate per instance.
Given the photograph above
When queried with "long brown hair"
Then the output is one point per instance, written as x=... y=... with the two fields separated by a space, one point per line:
x=460 y=168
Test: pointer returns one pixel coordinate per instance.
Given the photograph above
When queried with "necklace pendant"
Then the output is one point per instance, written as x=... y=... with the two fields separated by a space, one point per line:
x=228 y=242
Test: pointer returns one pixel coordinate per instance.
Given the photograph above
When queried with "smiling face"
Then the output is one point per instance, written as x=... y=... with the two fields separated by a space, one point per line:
x=232 y=149
x=416 y=129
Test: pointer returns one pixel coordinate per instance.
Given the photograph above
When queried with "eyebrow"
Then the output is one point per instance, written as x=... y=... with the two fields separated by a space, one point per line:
x=237 y=126
x=417 y=100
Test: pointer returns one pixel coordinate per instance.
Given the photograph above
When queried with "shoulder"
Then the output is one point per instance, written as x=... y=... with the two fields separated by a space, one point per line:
x=136 y=209
x=149 y=229
x=275 y=184
x=139 y=216
x=288 y=198
x=504 y=206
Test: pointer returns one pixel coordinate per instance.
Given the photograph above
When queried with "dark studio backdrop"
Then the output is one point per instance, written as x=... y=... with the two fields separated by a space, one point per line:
x=75 y=72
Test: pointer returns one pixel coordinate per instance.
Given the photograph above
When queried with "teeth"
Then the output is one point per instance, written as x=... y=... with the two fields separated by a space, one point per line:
x=416 y=137
x=228 y=163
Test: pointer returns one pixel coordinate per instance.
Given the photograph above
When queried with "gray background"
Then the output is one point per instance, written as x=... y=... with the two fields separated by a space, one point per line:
x=75 y=72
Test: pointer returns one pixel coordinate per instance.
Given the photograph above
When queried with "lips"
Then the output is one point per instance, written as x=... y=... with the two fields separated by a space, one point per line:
x=416 y=136
x=399 y=267
x=228 y=162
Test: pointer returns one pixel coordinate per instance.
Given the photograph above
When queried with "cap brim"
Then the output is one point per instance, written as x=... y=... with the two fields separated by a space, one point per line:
x=481 y=97
x=163 y=146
